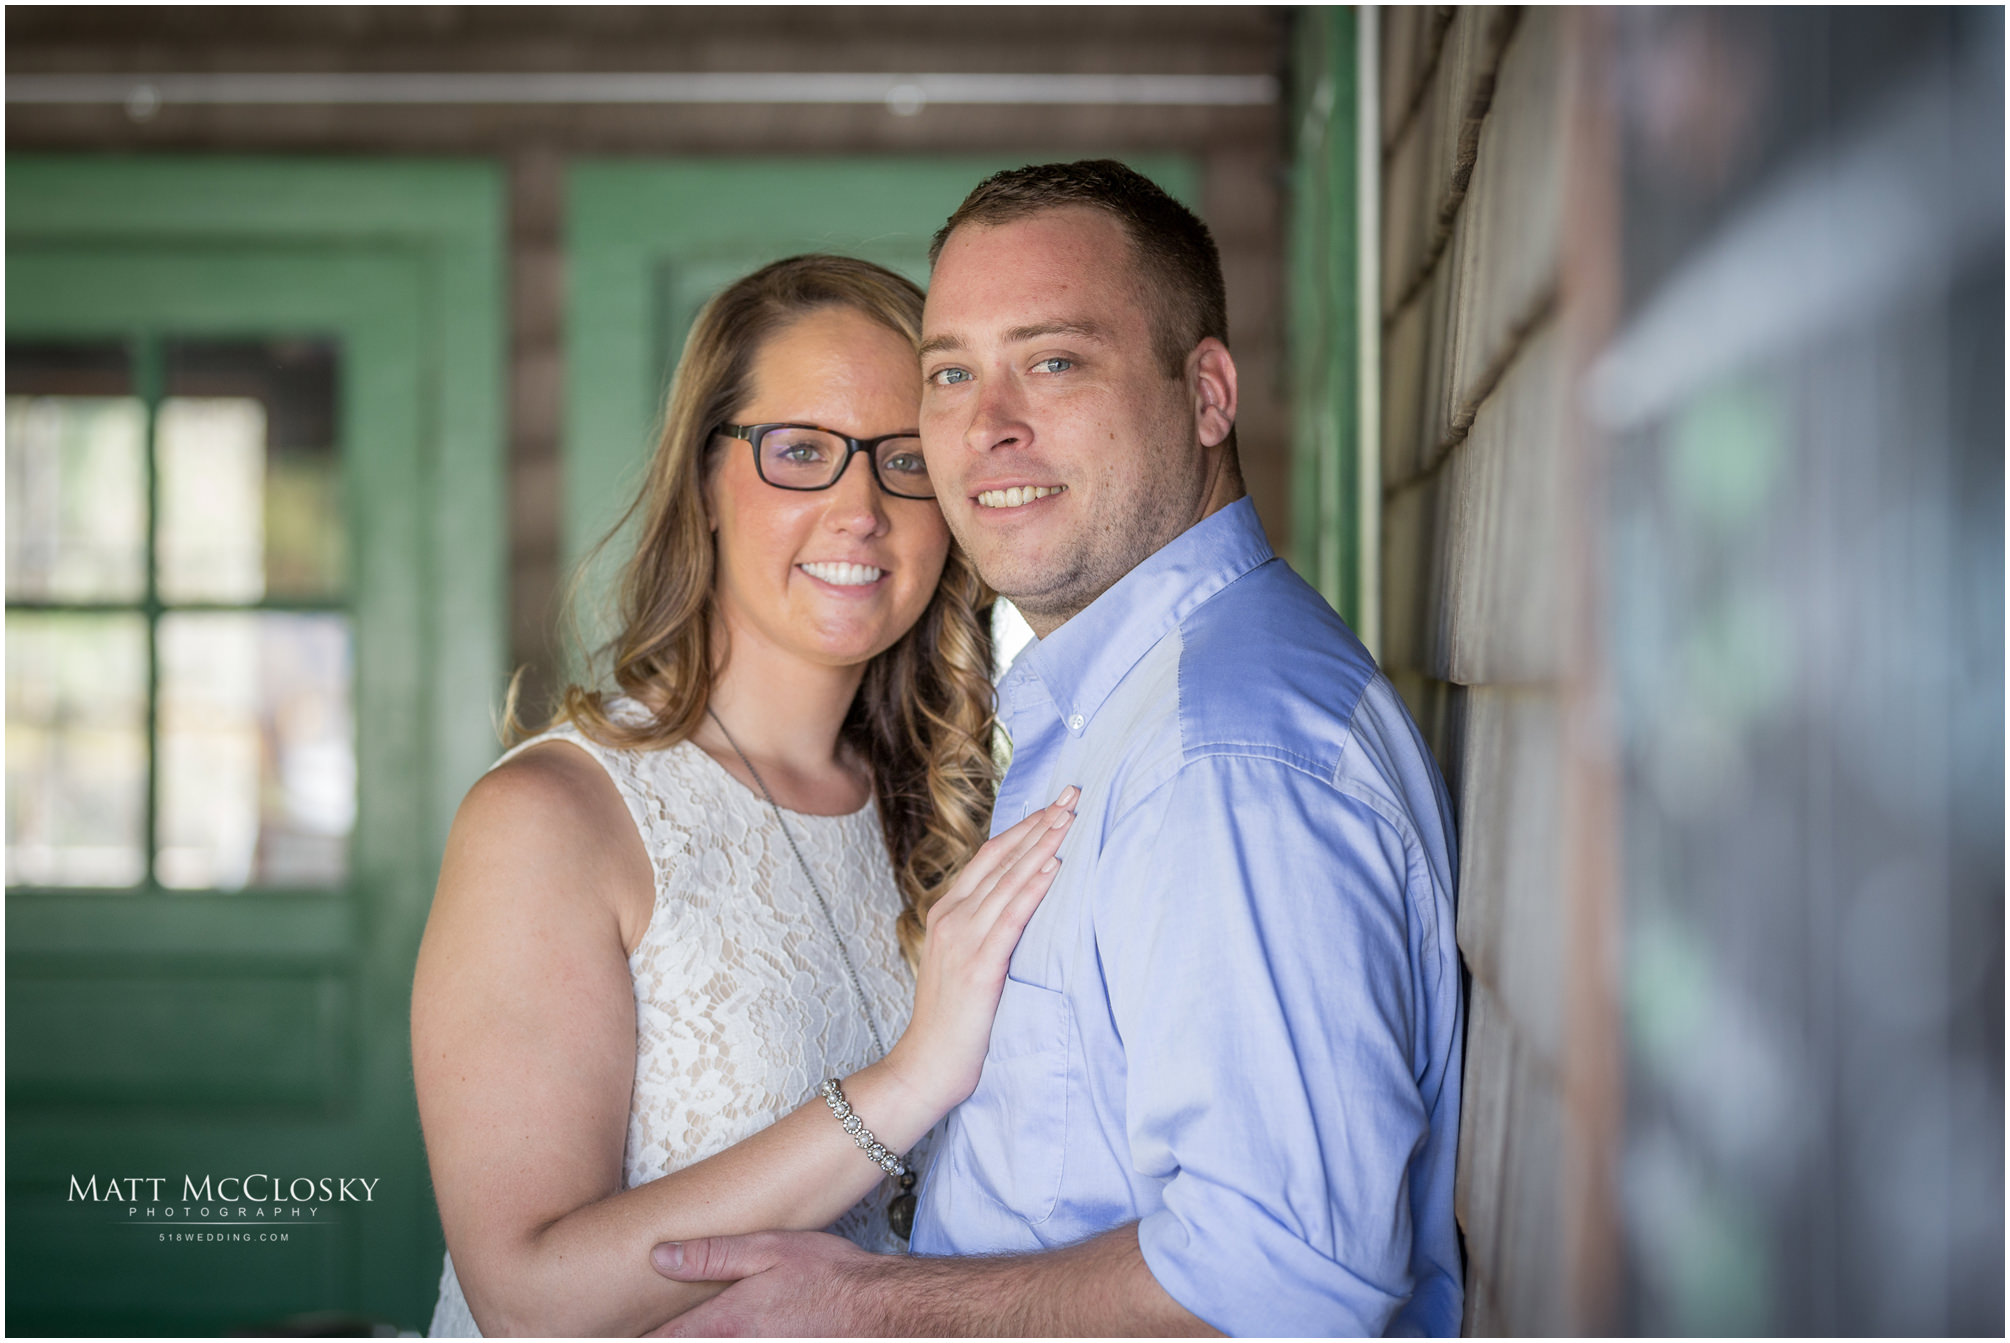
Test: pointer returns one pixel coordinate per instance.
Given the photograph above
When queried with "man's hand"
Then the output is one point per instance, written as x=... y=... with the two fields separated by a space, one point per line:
x=789 y=1283
x=806 y=1283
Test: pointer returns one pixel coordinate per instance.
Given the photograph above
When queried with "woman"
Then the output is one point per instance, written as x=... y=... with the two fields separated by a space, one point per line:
x=663 y=924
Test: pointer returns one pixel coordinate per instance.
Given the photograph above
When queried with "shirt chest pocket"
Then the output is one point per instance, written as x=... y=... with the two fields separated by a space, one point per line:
x=1018 y=1127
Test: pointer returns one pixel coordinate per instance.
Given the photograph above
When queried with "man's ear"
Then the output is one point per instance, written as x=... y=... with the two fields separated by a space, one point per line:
x=1213 y=380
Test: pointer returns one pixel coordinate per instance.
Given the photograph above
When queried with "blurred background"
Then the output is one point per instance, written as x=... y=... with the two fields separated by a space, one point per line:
x=1631 y=380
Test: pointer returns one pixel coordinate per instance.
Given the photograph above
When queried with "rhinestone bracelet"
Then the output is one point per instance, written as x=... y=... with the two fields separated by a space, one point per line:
x=875 y=1150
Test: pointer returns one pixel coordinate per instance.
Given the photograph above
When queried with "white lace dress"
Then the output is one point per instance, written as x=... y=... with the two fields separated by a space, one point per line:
x=742 y=1006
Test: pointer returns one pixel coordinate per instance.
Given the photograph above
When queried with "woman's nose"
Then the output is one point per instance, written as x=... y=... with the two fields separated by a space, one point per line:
x=856 y=502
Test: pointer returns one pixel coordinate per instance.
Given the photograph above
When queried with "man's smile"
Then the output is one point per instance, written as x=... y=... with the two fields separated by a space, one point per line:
x=1017 y=496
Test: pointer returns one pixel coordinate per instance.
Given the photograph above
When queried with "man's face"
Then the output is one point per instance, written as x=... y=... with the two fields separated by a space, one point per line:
x=1062 y=453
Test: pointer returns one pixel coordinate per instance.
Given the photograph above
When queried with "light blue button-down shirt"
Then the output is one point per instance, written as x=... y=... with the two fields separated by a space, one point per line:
x=1236 y=1017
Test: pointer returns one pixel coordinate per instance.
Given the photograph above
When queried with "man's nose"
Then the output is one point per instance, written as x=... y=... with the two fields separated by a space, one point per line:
x=998 y=419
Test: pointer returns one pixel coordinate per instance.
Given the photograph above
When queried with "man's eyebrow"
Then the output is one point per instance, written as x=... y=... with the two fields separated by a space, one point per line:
x=1086 y=329
x=1082 y=328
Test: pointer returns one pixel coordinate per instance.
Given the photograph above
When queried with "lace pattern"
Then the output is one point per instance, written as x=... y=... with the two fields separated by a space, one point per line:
x=742 y=1006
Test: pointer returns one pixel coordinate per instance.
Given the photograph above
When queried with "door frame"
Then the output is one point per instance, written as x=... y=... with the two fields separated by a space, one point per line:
x=412 y=251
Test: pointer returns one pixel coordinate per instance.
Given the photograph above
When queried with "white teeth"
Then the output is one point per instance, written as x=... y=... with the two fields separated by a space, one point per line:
x=843 y=575
x=1017 y=495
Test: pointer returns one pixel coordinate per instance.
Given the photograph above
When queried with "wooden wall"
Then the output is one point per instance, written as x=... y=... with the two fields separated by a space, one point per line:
x=1691 y=570
x=1482 y=322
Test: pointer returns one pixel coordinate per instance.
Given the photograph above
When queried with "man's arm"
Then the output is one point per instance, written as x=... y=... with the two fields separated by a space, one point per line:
x=811 y=1283
x=1286 y=993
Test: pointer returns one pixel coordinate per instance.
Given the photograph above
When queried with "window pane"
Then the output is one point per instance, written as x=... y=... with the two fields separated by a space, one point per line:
x=76 y=749
x=257 y=743
x=211 y=455
x=76 y=481
x=251 y=497
x=76 y=498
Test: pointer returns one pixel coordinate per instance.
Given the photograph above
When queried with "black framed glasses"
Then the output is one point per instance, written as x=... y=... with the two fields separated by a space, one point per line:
x=805 y=457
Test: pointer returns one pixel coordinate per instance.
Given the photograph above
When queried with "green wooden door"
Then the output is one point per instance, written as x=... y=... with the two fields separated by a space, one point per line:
x=239 y=720
x=649 y=241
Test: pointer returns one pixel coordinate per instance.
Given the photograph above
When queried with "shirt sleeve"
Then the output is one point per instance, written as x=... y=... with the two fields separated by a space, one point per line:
x=1271 y=968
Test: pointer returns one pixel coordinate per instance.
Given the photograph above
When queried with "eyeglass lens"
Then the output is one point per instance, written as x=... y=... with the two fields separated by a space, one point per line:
x=810 y=459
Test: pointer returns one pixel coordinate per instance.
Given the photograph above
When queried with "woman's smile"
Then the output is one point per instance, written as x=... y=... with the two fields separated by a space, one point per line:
x=839 y=574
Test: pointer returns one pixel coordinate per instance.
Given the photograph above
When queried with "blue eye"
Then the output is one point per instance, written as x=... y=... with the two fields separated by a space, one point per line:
x=944 y=377
x=1055 y=365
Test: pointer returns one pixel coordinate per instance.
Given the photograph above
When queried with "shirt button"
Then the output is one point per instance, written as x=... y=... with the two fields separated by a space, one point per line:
x=1075 y=723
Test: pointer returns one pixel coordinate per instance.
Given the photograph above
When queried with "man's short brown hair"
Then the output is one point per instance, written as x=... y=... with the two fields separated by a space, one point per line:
x=1175 y=253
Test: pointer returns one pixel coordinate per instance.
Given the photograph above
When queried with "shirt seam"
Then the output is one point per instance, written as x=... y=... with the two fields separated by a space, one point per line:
x=1416 y=868
x=1424 y=909
x=1416 y=860
x=1415 y=863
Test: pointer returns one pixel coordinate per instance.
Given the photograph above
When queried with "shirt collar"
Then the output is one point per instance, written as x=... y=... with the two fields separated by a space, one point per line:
x=1082 y=662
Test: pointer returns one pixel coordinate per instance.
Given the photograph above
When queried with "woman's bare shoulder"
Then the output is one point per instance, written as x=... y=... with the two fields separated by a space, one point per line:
x=550 y=823
x=554 y=778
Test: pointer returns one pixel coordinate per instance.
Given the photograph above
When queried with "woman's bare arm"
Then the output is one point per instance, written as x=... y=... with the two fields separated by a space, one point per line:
x=523 y=1048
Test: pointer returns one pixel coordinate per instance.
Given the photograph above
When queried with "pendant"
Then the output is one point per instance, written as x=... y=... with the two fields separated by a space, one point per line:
x=900 y=1211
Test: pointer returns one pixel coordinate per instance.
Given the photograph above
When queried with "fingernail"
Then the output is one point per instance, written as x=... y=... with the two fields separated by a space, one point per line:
x=669 y=1256
x=1063 y=819
x=1068 y=796
x=1050 y=864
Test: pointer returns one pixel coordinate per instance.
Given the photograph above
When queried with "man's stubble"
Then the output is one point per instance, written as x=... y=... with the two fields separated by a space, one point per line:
x=1049 y=590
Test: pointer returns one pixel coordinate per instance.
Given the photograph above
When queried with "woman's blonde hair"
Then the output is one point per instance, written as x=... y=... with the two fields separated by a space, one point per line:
x=923 y=717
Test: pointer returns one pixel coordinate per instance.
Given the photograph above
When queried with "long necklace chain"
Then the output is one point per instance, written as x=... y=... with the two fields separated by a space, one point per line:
x=844 y=952
x=900 y=1209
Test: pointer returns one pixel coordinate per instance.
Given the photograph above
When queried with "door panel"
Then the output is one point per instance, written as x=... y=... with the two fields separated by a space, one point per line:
x=197 y=1037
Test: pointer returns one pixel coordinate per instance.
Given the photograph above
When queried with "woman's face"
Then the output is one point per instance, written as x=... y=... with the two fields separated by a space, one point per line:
x=837 y=369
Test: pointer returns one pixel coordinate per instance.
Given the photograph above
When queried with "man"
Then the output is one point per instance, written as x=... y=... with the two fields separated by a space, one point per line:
x=1222 y=1090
